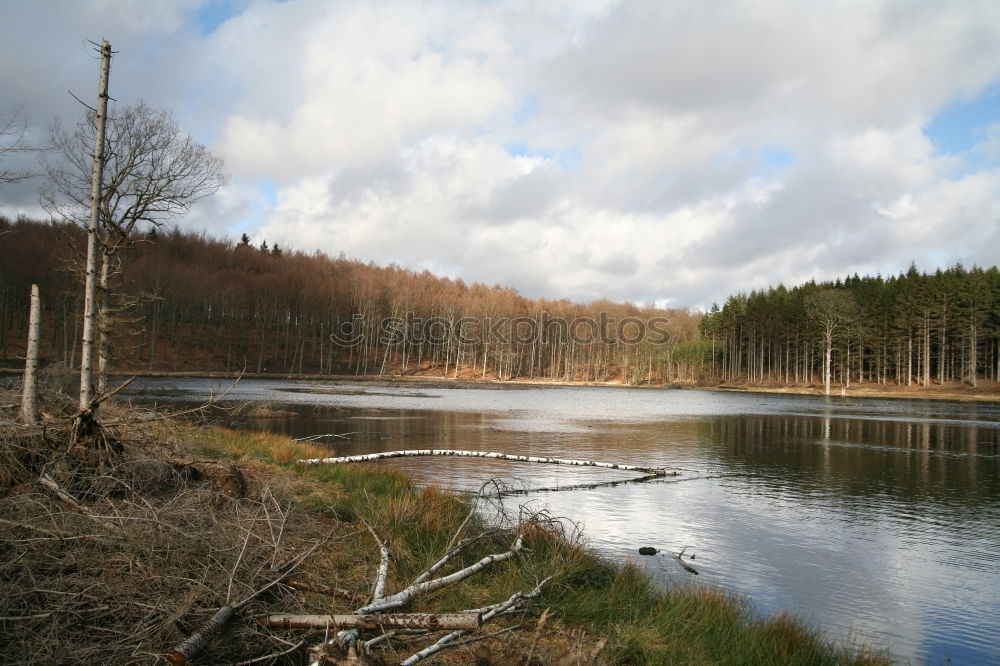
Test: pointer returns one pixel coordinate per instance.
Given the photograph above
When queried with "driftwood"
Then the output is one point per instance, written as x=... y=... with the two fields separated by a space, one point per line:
x=658 y=471
x=677 y=557
x=428 y=621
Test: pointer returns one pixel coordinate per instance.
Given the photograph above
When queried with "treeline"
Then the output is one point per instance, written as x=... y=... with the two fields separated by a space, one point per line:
x=188 y=302
x=914 y=328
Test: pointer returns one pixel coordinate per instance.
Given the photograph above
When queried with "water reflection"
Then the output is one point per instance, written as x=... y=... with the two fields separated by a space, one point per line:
x=878 y=520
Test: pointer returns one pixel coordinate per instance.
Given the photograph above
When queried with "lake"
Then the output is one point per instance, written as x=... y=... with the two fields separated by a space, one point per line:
x=875 y=520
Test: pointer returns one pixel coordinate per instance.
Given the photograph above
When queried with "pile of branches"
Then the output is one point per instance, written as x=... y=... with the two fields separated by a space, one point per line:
x=141 y=554
x=116 y=565
x=359 y=636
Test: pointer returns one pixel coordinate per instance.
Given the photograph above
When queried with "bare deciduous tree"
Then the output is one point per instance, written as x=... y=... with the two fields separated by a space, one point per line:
x=830 y=310
x=153 y=172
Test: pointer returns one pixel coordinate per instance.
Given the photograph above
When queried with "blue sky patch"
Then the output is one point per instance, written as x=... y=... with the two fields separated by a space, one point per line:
x=214 y=13
x=522 y=149
x=530 y=106
x=961 y=125
x=776 y=158
x=268 y=192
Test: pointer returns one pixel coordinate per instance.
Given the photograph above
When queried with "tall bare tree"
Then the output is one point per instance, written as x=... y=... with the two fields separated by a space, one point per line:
x=29 y=396
x=153 y=172
x=831 y=310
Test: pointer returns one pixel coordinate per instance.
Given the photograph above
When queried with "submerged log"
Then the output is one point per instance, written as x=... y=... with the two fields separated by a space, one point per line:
x=677 y=557
x=429 y=621
x=659 y=471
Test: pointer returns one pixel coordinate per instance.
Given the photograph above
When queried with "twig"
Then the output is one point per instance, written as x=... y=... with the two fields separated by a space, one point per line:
x=369 y=644
x=313 y=438
x=472 y=510
x=232 y=575
x=538 y=632
x=273 y=655
x=324 y=589
x=68 y=499
x=488 y=636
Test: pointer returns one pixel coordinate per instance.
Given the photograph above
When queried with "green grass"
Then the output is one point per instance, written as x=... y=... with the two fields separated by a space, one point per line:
x=641 y=622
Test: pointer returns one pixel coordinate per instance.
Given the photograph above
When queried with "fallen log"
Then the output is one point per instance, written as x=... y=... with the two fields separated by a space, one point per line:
x=428 y=621
x=658 y=471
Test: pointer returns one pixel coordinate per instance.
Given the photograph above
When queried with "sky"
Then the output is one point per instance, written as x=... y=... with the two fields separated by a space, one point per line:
x=659 y=152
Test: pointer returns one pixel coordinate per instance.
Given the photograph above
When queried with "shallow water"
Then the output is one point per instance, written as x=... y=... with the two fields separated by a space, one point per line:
x=878 y=520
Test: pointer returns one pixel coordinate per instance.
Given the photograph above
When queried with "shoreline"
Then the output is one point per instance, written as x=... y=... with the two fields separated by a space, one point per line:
x=182 y=476
x=988 y=393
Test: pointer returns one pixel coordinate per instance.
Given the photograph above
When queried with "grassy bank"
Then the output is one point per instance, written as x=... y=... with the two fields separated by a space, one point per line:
x=640 y=623
x=174 y=539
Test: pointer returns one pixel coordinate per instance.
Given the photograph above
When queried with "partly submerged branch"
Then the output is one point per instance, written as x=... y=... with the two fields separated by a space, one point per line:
x=658 y=471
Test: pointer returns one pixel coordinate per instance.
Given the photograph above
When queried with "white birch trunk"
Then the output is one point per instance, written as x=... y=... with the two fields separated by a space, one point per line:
x=103 y=325
x=29 y=398
x=93 y=237
x=482 y=454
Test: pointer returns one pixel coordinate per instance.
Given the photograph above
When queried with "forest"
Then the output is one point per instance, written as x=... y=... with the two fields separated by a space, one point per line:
x=185 y=302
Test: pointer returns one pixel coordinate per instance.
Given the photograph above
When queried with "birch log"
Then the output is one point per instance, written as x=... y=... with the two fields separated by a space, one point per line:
x=29 y=398
x=482 y=454
x=429 y=621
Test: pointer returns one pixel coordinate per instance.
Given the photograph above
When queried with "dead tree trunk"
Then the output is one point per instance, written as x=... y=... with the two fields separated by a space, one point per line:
x=103 y=323
x=29 y=398
x=483 y=454
x=93 y=236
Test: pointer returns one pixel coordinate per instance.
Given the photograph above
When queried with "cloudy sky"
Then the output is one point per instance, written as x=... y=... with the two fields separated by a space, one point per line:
x=667 y=152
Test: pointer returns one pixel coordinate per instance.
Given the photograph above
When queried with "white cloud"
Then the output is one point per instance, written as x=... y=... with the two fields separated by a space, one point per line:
x=640 y=132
